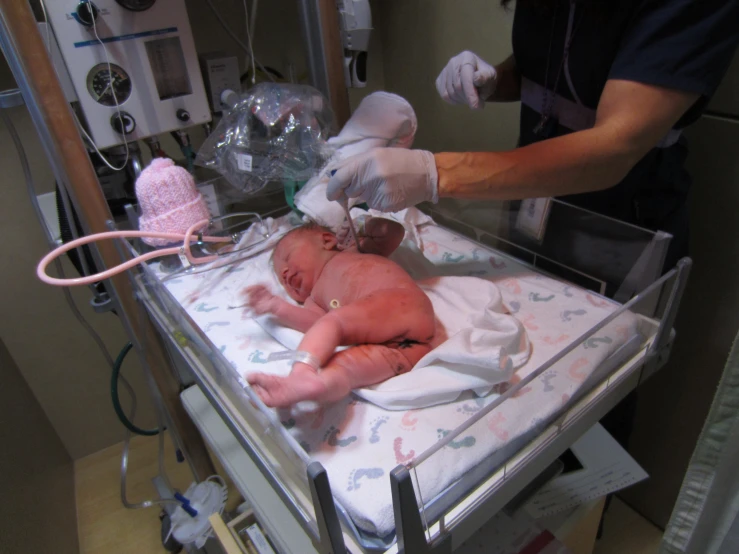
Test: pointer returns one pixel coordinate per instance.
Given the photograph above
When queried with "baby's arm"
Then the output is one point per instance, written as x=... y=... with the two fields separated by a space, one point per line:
x=261 y=301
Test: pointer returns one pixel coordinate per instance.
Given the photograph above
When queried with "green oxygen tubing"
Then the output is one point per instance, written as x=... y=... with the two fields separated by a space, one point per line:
x=117 y=401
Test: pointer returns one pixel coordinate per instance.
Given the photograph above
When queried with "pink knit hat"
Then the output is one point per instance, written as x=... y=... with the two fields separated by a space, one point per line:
x=169 y=200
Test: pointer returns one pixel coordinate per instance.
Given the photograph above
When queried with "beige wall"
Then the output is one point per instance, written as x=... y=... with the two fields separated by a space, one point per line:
x=37 y=512
x=418 y=38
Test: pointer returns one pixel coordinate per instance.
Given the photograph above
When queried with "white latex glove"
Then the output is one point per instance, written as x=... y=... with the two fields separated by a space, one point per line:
x=467 y=79
x=387 y=179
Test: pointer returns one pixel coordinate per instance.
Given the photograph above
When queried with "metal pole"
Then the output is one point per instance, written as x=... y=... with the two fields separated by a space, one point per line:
x=27 y=57
x=319 y=21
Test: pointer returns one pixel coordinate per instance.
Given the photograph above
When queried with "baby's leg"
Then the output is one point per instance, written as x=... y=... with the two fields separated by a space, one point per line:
x=380 y=318
x=353 y=368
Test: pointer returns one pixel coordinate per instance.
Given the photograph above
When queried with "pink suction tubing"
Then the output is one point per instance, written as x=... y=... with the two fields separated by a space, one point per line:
x=90 y=279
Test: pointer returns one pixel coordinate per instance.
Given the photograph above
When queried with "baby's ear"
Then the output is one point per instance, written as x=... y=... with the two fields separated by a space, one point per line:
x=328 y=240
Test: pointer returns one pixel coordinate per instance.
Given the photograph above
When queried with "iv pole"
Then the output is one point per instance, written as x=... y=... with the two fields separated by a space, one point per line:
x=27 y=57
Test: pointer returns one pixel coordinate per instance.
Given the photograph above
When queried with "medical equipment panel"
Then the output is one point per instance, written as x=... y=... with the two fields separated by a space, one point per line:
x=133 y=66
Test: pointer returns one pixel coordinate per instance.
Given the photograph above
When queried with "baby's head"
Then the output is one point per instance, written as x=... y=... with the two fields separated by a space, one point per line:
x=299 y=258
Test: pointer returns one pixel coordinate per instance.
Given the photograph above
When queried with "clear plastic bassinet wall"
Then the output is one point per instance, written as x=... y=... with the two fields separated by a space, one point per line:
x=599 y=279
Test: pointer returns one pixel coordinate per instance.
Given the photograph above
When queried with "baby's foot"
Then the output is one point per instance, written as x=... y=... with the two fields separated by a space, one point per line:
x=282 y=392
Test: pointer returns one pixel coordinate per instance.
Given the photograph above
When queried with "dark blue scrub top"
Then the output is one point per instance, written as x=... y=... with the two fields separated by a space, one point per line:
x=679 y=44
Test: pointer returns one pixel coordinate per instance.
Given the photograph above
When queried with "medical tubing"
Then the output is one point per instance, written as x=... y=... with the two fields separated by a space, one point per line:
x=107 y=274
x=124 y=465
x=115 y=375
x=345 y=205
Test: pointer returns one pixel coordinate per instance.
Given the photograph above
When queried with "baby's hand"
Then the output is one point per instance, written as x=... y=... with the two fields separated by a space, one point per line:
x=260 y=300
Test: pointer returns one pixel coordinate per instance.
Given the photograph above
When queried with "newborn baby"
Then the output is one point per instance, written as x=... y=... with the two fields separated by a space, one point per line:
x=349 y=298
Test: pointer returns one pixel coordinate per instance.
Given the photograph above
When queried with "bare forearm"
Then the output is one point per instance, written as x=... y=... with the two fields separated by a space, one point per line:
x=508 y=82
x=579 y=162
x=295 y=317
x=631 y=119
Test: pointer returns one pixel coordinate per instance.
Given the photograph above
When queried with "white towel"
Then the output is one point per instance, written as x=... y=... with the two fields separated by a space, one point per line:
x=484 y=346
x=381 y=119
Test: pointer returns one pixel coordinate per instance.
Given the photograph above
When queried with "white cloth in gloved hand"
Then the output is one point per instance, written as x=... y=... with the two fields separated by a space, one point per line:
x=467 y=79
x=387 y=179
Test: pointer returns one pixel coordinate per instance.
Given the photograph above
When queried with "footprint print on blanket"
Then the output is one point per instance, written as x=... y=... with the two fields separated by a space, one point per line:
x=332 y=438
x=245 y=342
x=466 y=442
x=547 y=378
x=554 y=341
x=375 y=427
x=536 y=297
x=575 y=368
x=211 y=324
x=204 y=307
x=408 y=421
x=512 y=285
x=527 y=322
x=595 y=341
x=473 y=408
x=256 y=357
x=597 y=302
x=398 y=450
x=449 y=257
x=368 y=473
x=475 y=254
x=567 y=314
x=494 y=424
x=514 y=307
x=497 y=264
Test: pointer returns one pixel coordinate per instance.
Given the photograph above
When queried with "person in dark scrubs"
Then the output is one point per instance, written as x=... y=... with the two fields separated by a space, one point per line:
x=606 y=90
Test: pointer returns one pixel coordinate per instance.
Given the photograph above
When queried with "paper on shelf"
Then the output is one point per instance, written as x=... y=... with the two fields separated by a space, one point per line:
x=607 y=468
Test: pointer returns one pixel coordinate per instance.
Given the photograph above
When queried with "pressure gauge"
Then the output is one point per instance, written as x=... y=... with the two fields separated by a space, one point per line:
x=136 y=5
x=102 y=83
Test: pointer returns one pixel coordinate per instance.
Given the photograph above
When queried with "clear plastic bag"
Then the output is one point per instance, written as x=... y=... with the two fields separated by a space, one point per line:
x=273 y=132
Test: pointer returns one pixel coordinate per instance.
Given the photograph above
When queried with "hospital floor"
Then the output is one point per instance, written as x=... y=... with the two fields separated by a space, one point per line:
x=106 y=526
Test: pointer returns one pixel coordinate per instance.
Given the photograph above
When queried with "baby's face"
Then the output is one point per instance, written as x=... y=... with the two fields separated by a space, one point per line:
x=299 y=259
